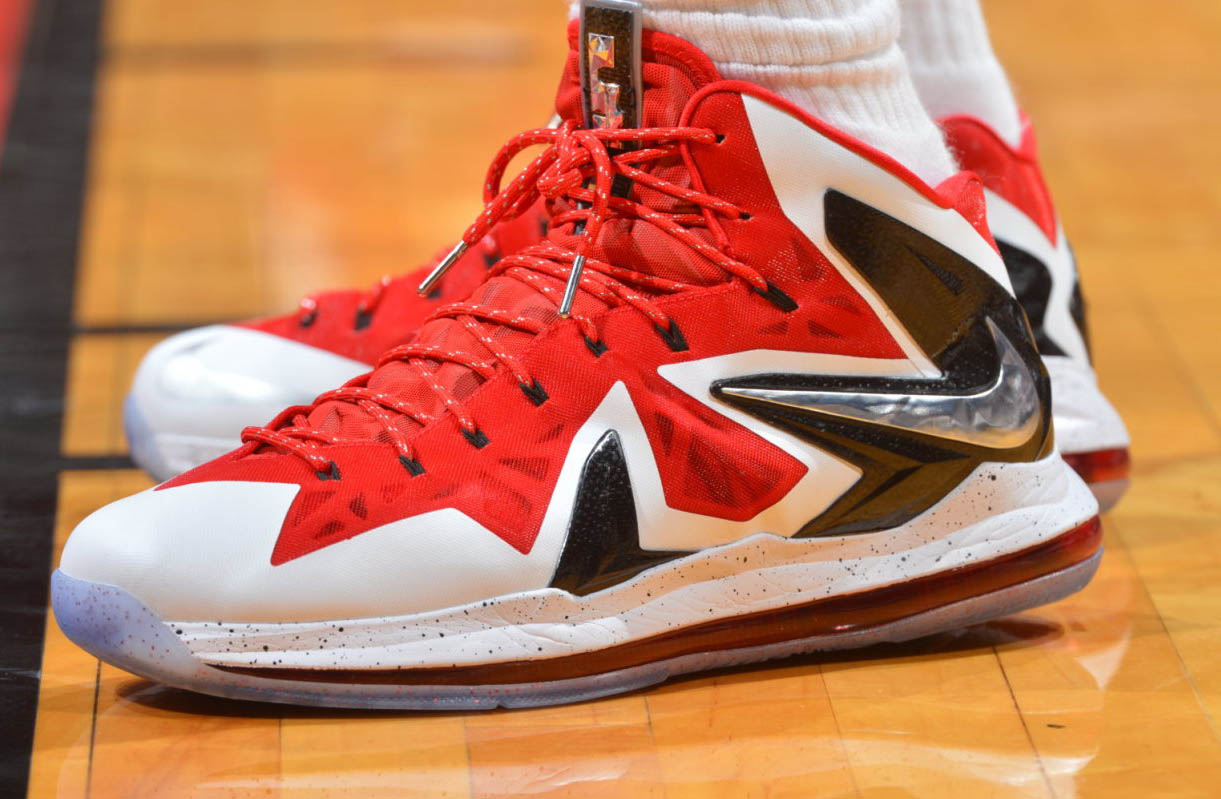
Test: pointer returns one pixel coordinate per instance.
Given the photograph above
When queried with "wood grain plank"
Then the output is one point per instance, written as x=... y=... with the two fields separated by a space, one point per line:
x=68 y=690
x=1107 y=701
x=374 y=755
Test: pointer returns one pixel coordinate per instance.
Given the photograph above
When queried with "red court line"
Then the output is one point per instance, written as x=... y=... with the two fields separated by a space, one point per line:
x=14 y=16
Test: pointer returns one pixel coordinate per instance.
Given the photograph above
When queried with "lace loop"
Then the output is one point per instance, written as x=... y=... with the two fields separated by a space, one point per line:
x=307 y=309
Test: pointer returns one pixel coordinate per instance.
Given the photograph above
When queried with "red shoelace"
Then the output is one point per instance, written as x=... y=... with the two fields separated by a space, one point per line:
x=307 y=309
x=578 y=167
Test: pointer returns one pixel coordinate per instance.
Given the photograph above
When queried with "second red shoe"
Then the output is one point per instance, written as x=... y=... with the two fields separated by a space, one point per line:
x=194 y=392
x=1043 y=270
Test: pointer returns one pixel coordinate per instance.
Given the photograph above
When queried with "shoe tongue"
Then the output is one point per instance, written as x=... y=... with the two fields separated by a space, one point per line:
x=618 y=75
x=663 y=72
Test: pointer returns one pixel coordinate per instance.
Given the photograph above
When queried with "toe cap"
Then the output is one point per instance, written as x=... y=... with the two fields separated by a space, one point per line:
x=186 y=552
x=203 y=552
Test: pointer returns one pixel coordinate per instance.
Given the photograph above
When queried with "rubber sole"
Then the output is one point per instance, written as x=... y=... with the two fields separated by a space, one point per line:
x=115 y=626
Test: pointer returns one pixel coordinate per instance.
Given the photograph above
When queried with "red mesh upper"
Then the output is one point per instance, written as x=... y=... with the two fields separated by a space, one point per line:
x=708 y=463
x=667 y=85
x=402 y=310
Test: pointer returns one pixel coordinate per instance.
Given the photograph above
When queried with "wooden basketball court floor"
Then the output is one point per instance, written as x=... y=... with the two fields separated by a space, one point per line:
x=242 y=154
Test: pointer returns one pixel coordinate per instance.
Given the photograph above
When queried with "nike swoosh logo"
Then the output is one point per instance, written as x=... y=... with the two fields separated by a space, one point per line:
x=1003 y=415
x=913 y=439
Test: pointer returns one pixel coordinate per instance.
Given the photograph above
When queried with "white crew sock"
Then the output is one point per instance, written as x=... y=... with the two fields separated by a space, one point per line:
x=838 y=59
x=951 y=61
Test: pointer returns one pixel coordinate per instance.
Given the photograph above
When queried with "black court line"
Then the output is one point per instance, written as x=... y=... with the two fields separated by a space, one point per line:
x=152 y=327
x=41 y=185
x=94 y=463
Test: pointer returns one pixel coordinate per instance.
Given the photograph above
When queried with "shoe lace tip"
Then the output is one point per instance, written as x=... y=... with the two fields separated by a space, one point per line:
x=570 y=288
x=440 y=269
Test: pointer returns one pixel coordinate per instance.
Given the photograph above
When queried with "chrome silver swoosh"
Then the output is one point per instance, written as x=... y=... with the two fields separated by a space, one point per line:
x=1002 y=416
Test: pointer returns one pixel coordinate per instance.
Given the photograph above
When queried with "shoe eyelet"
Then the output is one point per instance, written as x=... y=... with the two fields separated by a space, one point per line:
x=720 y=138
x=490 y=259
x=411 y=465
x=307 y=319
x=745 y=217
x=333 y=474
x=673 y=336
x=476 y=439
x=363 y=318
x=534 y=392
x=596 y=347
x=776 y=297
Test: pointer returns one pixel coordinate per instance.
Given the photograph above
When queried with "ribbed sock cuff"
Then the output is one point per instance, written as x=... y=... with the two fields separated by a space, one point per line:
x=953 y=65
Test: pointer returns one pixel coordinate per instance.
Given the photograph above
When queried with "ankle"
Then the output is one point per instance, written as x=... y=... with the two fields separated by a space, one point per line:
x=954 y=67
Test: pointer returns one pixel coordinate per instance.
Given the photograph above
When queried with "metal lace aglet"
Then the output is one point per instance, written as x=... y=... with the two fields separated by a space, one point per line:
x=440 y=269
x=570 y=289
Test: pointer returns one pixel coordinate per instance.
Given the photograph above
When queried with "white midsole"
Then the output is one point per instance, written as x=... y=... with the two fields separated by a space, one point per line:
x=1085 y=421
x=999 y=509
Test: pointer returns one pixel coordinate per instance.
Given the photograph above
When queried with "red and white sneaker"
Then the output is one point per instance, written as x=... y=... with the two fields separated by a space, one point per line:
x=1043 y=271
x=194 y=392
x=794 y=406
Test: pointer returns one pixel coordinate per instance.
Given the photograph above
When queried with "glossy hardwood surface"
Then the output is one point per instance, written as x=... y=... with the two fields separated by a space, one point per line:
x=247 y=153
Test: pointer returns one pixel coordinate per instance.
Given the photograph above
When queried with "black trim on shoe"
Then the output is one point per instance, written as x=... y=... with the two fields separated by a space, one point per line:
x=596 y=347
x=776 y=297
x=602 y=547
x=476 y=439
x=954 y=311
x=672 y=336
x=1032 y=283
x=534 y=392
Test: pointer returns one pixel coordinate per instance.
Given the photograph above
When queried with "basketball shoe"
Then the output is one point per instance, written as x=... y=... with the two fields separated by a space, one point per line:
x=759 y=391
x=195 y=391
x=1043 y=272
